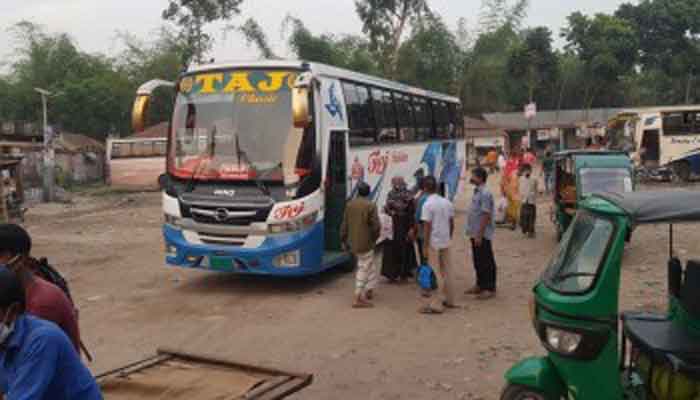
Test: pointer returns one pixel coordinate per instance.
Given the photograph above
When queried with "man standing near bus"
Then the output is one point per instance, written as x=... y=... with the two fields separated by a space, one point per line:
x=480 y=229
x=438 y=224
x=359 y=232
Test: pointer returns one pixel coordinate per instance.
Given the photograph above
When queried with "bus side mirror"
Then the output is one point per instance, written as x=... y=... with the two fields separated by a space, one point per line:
x=301 y=109
x=139 y=111
x=143 y=100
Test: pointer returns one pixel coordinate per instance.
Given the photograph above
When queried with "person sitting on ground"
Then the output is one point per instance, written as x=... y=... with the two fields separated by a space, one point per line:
x=44 y=299
x=37 y=361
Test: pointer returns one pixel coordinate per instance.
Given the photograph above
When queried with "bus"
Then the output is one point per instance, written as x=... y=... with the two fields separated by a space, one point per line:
x=263 y=156
x=665 y=139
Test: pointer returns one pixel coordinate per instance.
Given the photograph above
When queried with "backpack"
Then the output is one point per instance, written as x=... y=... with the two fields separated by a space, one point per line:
x=426 y=277
x=48 y=273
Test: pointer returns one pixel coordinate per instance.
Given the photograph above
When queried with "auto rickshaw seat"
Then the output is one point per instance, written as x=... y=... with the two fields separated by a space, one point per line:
x=690 y=289
x=660 y=338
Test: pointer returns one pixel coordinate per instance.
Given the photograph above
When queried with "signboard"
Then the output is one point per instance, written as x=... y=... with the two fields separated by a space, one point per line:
x=544 y=134
x=489 y=142
x=530 y=111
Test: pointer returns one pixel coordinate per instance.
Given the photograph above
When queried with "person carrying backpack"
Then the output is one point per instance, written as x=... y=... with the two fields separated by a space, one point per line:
x=43 y=299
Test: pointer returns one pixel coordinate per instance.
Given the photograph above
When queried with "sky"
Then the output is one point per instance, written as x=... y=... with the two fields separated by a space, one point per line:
x=94 y=24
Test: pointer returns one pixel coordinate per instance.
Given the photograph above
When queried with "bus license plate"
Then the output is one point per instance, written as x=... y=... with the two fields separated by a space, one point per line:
x=220 y=263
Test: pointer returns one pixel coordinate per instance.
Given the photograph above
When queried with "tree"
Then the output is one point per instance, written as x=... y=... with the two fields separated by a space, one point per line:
x=533 y=67
x=192 y=15
x=254 y=34
x=385 y=22
x=669 y=39
x=498 y=13
x=484 y=84
x=431 y=57
x=608 y=47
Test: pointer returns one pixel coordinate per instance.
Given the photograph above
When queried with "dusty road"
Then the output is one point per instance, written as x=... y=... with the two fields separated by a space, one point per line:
x=110 y=249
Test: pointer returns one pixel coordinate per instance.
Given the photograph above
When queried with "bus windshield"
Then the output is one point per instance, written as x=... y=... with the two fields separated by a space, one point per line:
x=237 y=125
x=582 y=250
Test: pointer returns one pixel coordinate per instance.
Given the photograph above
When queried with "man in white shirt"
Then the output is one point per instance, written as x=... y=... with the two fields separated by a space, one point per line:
x=438 y=224
x=528 y=196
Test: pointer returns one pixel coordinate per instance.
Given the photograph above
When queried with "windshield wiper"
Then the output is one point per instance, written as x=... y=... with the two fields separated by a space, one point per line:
x=191 y=183
x=259 y=178
x=564 y=277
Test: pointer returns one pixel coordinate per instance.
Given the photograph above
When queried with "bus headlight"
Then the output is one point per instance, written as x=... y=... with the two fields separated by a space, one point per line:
x=290 y=259
x=296 y=225
x=563 y=341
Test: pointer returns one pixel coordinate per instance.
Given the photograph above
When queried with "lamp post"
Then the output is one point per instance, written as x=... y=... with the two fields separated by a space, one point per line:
x=49 y=159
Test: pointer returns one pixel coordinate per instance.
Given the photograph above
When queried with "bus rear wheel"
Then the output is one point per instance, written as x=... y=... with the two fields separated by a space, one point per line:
x=682 y=171
x=517 y=392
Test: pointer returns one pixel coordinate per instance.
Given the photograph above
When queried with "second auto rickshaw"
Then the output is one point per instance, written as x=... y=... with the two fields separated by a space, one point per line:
x=579 y=173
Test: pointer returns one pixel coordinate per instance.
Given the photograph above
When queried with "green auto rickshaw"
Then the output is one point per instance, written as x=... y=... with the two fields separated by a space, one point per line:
x=578 y=173
x=574 y=309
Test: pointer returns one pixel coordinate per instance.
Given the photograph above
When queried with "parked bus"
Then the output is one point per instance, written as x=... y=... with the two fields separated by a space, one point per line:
x=664 y=139
x=263 y=156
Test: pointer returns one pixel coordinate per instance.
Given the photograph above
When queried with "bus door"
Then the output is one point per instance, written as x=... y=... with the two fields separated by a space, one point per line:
x=652 y=147
x=336 y=190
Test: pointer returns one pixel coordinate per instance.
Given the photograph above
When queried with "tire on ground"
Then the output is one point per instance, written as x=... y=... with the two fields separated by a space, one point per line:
x=517 y=392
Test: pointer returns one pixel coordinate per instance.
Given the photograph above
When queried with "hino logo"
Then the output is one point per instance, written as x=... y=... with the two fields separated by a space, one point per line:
x=225 y=192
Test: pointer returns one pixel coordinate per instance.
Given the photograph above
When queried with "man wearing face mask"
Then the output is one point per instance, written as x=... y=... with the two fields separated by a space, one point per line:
x=479 y=230
x=37 y=361
x=44 y=299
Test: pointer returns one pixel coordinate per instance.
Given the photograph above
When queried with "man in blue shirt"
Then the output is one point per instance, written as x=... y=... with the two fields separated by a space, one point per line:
x=480 y=229
x=37 y=360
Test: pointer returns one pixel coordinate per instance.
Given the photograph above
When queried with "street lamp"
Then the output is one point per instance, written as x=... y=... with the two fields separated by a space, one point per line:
x=49 y=161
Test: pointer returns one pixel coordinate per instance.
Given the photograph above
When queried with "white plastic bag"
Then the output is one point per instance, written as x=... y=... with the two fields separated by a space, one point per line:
x=387 y=231
x=501 y=207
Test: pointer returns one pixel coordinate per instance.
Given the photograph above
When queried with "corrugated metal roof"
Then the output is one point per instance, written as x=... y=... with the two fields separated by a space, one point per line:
x=552 y=119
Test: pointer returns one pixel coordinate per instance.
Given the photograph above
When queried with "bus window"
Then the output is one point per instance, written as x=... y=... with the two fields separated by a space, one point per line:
x=390 y=122
x=456 y=119
x=681 y=123
x=441 y=120
x=423 y=120
x=406 y=117
x=359 y=114
x=380 y=117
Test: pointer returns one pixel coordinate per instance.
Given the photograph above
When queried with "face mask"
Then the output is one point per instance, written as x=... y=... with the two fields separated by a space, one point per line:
x=8 y=264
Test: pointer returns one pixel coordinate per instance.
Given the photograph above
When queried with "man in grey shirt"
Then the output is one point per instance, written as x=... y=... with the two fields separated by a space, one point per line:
x=480 y=228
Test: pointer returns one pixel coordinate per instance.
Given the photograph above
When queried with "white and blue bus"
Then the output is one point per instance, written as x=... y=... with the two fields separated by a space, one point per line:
x=263 y=156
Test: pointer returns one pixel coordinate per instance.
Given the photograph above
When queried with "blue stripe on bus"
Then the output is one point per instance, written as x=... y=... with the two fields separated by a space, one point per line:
x=257 y=261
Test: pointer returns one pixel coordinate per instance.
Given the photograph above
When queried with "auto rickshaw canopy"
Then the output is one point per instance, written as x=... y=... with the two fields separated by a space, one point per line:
x=654 y=207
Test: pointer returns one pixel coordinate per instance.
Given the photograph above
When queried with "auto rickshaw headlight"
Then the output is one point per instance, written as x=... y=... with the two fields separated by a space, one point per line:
x=563 y=341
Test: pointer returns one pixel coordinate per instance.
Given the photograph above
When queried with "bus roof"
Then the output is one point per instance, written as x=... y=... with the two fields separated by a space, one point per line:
x=631 y=113
x=327 y=71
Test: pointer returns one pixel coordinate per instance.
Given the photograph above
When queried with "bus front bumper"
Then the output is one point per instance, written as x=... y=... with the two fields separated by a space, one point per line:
x=293 y=254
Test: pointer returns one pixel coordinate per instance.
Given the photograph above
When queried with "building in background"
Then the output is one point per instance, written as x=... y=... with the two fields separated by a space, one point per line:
x=481 y=137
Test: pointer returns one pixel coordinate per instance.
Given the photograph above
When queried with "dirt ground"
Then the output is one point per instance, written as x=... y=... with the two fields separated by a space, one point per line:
x=110 y=248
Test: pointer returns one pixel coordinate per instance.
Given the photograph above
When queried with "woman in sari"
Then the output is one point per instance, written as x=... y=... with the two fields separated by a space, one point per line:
x=399 y=257
x=509 y=186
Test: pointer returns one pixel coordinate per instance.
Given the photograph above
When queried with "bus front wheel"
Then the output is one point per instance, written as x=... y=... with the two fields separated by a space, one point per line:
x=517 y=392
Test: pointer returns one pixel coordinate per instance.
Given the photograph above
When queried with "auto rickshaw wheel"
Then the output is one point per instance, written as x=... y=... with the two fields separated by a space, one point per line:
x=517 y=392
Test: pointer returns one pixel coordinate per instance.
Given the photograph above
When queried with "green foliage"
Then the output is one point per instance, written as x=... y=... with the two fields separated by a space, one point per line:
x=533 y=68
x=430 y=58
x=385 y=22
x=254 y=34
x=192 y=15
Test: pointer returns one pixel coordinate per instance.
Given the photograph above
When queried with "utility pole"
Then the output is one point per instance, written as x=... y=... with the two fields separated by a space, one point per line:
x=49 y=159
